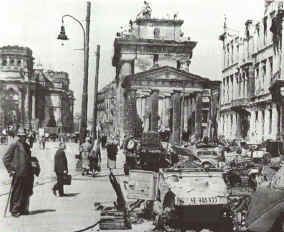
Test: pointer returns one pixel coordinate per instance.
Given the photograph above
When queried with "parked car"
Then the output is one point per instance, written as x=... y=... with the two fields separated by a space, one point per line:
x=197 y=199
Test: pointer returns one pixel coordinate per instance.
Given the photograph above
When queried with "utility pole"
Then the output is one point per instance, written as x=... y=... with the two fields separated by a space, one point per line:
x=96 y=92
x=84 y=107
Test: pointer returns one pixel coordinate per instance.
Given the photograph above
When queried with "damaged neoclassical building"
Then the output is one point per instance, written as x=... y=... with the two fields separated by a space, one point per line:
x=252 y=88
x=32 y=97
x=154 y=89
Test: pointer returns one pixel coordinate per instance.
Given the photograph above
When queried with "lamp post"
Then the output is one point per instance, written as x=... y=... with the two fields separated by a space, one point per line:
x=62 y=36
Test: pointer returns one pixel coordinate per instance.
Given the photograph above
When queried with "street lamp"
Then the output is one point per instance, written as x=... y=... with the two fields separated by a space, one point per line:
x=62 y=36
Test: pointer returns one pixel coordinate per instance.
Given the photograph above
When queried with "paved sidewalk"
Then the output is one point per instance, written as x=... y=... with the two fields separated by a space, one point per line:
x=75 y=212
x=50 y=213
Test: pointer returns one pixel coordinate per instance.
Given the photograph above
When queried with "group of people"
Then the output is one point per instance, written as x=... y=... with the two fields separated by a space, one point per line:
x=22 y=167
x=90 y=154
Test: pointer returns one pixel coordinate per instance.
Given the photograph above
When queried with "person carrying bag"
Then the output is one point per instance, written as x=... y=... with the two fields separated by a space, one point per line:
x=61 y=170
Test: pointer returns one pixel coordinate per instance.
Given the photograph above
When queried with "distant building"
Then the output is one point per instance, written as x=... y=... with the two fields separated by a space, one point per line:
x=31 y=97
x=153 y=88
x=252 y=79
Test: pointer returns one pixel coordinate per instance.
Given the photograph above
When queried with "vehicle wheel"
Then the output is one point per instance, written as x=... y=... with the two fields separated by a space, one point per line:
x=227 y=227
x=207 y=165
x=279 y=224
x=267 y=158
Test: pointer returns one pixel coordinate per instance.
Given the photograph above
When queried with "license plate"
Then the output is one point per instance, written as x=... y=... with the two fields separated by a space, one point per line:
x=204 y=201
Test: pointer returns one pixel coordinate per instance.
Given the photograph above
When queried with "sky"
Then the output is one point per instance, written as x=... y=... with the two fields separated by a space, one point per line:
x=36 y=24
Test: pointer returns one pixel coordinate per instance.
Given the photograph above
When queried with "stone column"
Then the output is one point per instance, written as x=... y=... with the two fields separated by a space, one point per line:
x=163 y=116
x=252 y=127
x=160 y=112
x=126 y=68
x=176 y=101
x=130 y=124
x=154 y=110
x=182 y=113
x=198 y=116
x=33 y=107
x=22 y=98
x=228 y=125
x=185 y=117
x=259 y=126
x=167 y=110
x=139 y=106
x=189 y=115
x=143 y=105
x=266 y=122
x=274 y=121
x=146 y=118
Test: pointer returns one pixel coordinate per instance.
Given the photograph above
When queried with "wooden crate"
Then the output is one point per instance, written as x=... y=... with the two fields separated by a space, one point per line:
x=114 y=220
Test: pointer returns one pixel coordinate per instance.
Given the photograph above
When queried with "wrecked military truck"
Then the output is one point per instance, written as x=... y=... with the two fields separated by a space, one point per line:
x=194 y=199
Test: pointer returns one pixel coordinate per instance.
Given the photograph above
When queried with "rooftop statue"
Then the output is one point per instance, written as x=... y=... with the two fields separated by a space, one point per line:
x=145 y=12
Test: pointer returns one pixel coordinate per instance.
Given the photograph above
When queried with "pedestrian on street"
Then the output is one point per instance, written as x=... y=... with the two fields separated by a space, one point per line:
x=17 y=160
x=60 y=168
x=85 y=149
x=112 y=150
x=95 y=157
x=42 y=140
x=31 y=139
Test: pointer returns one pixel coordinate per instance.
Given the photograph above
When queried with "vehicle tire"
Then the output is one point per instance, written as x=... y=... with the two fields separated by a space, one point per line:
x=227 y=227
x=267 y=159
x=279 y=224
x=207 y=165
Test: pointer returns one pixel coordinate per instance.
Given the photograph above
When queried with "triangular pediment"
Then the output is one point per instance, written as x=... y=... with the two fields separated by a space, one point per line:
x=167 y=73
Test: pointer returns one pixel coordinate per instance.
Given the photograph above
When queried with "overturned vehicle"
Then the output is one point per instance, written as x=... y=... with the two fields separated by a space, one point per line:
x=146 y=153
x=194 y=199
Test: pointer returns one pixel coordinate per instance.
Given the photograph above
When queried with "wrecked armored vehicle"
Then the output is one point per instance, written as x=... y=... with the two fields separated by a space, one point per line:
x=197 y=198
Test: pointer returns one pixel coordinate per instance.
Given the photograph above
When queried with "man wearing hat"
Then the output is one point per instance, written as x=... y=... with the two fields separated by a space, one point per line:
x=60 y=168
x=17 y=160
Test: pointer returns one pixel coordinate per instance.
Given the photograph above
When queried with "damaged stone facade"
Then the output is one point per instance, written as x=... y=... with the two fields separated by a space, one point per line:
x=32 y=97
x=251 y=96
x=153 y=88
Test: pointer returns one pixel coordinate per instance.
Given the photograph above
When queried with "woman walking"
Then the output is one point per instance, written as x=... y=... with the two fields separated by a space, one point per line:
x=85 y=149
x=95 y=158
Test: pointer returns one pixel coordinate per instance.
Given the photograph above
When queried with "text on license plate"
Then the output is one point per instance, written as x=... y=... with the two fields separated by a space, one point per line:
x=204 y=200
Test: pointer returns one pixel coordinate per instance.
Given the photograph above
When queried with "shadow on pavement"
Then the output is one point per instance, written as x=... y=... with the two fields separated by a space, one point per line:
x=34 y=212
x=71 y=194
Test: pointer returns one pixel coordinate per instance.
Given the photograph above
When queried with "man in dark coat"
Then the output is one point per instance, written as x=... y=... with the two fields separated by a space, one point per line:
x=60 y=168
x=112 y=150
x=17 y=160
